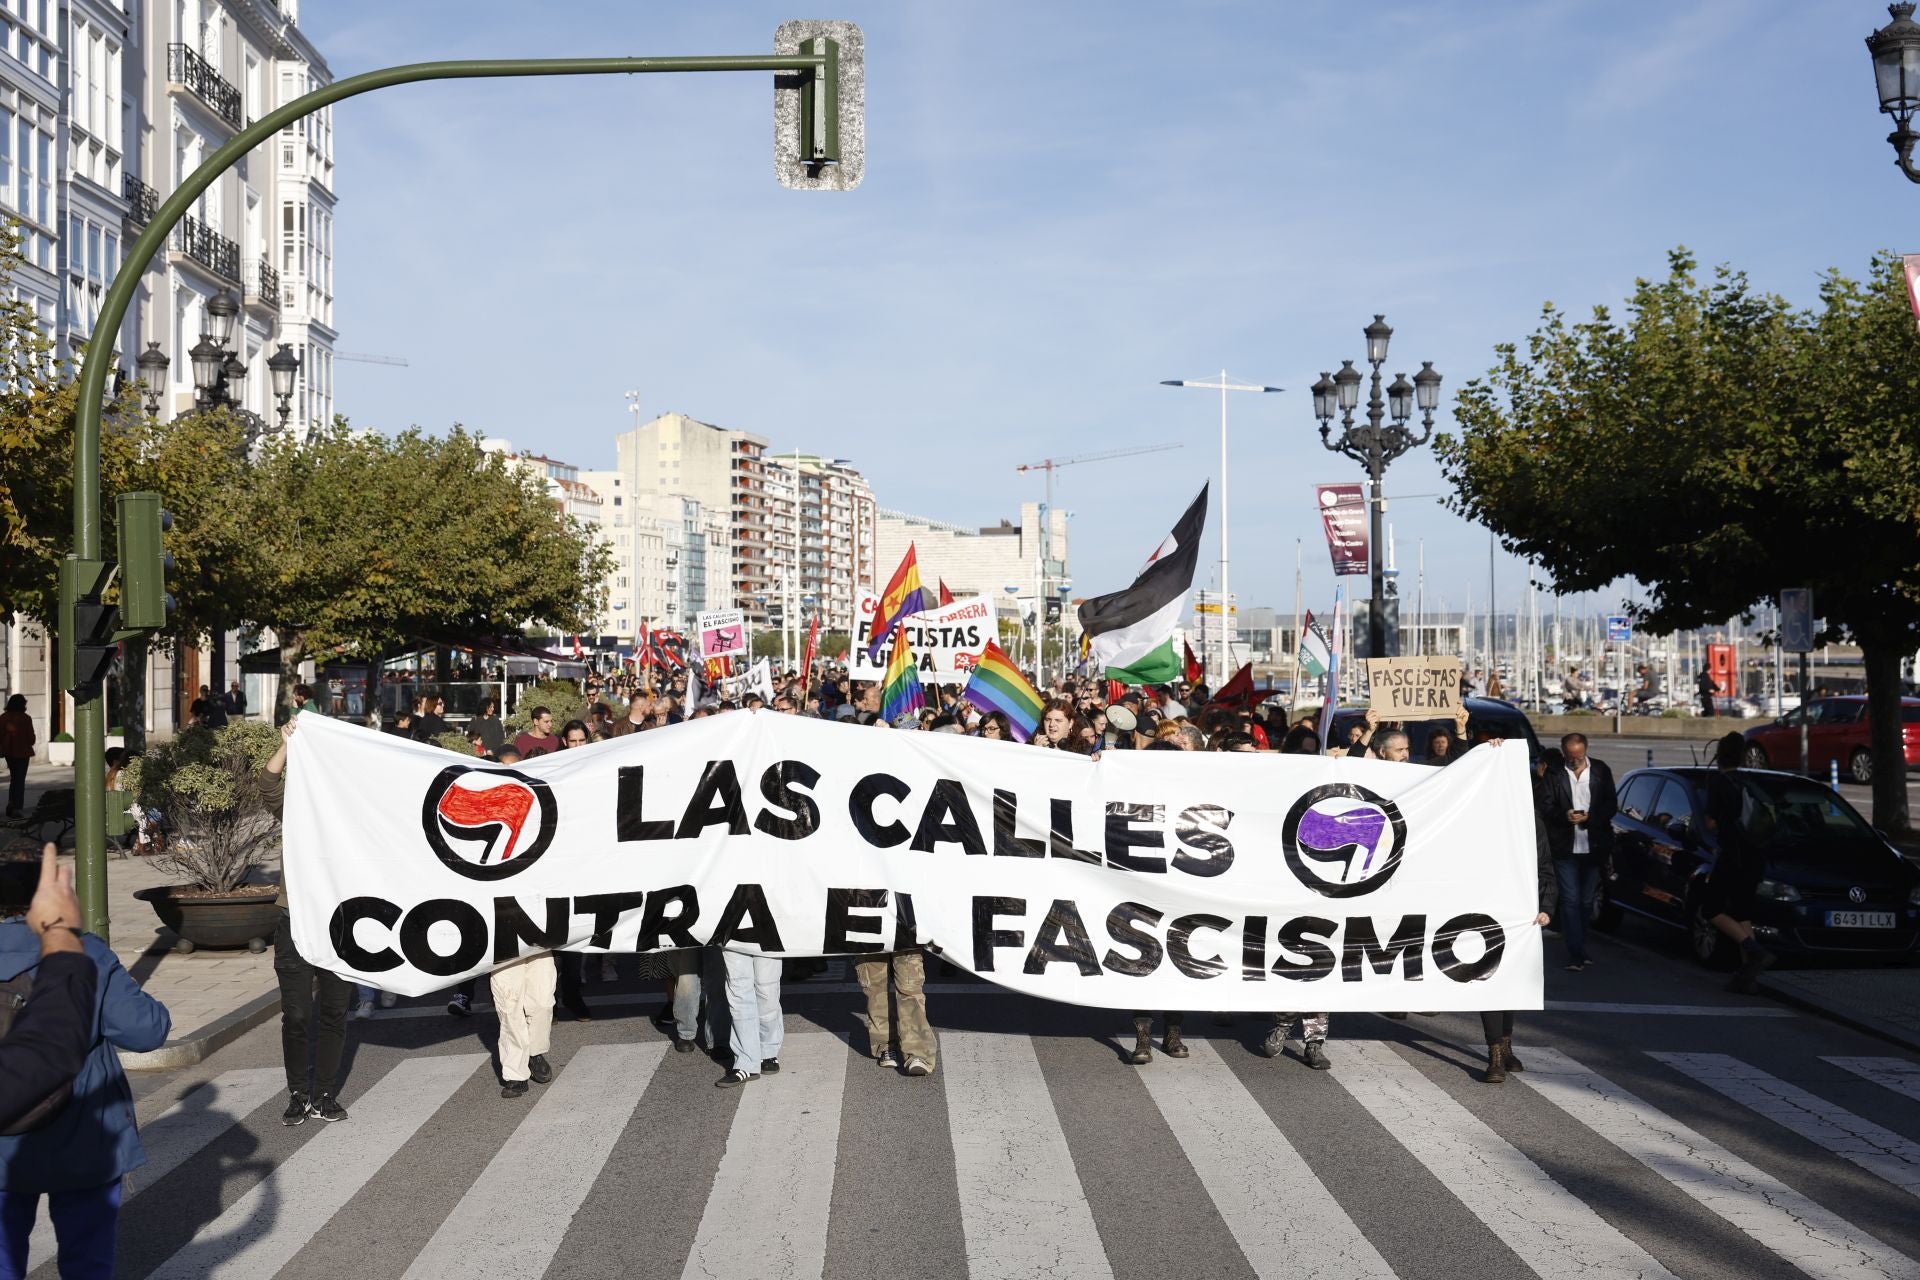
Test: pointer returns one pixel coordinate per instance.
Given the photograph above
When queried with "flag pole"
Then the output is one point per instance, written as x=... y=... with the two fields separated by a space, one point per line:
x=1293 y=680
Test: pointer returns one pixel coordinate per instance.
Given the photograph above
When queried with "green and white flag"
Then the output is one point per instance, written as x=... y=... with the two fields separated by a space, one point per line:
x=1131 y=631
x=1316 y=653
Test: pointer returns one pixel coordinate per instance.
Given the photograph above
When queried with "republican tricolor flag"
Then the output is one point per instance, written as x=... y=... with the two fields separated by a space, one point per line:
x=903 y=598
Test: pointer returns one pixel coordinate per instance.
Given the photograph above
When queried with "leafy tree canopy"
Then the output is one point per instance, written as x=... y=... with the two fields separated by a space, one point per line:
x=1717 y=445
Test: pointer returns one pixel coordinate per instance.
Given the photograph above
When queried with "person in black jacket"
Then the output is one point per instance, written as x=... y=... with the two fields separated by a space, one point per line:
x=48 y=1042
x=1577 y=802
x=1737 y=865
x=1498 y=1026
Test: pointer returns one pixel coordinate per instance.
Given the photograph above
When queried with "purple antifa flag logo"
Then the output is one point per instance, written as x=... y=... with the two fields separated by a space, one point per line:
x=1343 y=840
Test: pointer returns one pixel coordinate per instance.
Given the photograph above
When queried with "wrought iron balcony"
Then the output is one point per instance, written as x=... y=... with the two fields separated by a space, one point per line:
x=186 y=67
x=263 y=283
x=143 y=199
x=208 y=248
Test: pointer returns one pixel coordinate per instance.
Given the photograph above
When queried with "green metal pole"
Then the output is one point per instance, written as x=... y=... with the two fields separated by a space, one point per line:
x=89 y=718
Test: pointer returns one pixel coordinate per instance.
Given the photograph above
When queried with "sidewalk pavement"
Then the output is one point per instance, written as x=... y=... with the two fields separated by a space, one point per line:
x=213 y=996
x=1881 y=1002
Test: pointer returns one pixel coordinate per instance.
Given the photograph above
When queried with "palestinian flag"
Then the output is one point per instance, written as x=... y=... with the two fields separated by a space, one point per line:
x=1132 y=630
x=1316 y=652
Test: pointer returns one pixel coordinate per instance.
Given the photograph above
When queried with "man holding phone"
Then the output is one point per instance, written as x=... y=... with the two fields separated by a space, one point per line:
x=1577 y=803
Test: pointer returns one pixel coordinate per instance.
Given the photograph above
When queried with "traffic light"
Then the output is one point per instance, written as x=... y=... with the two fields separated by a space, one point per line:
x=144 y=562
x=819 y=121
x=87 y=644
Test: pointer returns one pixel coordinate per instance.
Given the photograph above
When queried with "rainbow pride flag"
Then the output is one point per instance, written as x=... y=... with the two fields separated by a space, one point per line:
x=901 y=692
x=903 y=598
x=997 y=685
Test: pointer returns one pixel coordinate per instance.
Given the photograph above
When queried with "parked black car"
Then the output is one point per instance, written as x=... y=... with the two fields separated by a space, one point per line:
x=1833 y=886
x=1490 y=716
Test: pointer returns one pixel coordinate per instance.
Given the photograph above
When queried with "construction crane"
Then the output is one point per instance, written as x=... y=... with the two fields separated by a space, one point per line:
x=1050 y=465
x=361 y=357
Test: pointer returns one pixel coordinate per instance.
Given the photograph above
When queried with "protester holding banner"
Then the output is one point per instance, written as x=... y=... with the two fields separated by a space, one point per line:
x=918 y=1045
x=1497 y=1027
x=523 y=1000
x=313 y=1000
x=1173 y=1045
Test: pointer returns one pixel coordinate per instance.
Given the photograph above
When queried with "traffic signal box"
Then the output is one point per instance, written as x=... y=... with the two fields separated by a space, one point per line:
x=91 y=629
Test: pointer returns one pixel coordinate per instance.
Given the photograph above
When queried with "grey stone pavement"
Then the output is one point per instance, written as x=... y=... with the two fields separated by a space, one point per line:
x=212 y=995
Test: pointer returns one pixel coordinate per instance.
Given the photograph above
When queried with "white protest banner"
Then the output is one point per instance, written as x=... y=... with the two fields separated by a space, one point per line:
x=947 y=642
x=1160 y=880
x=723 y=634
x=1423 y=688
x=755 y=679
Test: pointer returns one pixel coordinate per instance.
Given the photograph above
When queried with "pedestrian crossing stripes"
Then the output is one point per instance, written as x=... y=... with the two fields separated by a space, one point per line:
x=1873 y=1147
x=1815 y=1239
x=1896 y=1074
x=515 y=1221
x=1249 y=1170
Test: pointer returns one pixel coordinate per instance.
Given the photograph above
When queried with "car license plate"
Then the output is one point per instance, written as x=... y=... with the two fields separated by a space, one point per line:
x=1860 y=919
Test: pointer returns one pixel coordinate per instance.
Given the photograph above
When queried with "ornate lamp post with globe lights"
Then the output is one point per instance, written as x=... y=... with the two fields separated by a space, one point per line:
x=1896 y=73
x=1377 y=443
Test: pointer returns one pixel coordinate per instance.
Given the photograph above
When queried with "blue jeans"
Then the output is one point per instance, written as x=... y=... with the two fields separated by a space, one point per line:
x=753 y=1007
x=84 y=1223
x=686 y=991
x=1579 y=884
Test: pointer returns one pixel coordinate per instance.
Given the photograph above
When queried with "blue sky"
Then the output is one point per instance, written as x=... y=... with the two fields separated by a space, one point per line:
x=1063 y=205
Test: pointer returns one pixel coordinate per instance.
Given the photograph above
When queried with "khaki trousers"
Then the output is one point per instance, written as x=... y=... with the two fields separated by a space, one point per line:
x=523 y=997
x=909 y=970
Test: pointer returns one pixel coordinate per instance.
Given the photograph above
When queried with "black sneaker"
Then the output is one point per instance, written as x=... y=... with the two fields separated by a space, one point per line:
x=578 y=1011
x=888 y=1060
x=514 y=1089
x=735 y=1078
x=327 y=1107
x=460 y=1006
x=683 y=1046
x=1316 y=1056
x=540 y=1069
x=298 y=1109
x=663 y=1021
x=769 y=1066
x=1274 y=1043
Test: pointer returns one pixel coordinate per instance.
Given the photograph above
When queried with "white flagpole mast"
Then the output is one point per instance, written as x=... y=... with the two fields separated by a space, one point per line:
x=1222 y=386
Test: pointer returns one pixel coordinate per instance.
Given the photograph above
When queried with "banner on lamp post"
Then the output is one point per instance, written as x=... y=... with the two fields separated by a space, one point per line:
x=1343 y=511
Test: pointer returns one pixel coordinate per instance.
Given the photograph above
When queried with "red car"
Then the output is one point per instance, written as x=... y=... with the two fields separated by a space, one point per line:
x=1837 y=729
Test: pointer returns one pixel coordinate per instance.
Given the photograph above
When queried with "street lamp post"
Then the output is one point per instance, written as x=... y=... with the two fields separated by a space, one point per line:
x=220 y=375
x=1222 y=673
x=1895 y=49
x=1376 y=444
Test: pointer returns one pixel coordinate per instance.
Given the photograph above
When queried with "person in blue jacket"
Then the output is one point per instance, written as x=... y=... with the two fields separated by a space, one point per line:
x=77 y=1158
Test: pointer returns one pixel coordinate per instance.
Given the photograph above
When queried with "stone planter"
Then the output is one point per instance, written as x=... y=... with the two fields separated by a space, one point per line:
x=60 y=753
x=245 y=919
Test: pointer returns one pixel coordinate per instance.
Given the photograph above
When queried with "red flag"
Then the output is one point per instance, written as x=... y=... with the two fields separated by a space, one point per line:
x=806 y=660
x=1237 y=690
x=1194 y=669
x=946 y=596
x=1115 y=691
x=578 y=652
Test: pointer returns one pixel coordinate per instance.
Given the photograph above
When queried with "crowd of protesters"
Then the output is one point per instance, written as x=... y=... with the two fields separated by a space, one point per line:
x=734 y=998
x=729 y=1000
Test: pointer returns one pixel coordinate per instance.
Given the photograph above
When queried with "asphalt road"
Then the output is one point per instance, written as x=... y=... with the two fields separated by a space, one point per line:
x=1662 y=1128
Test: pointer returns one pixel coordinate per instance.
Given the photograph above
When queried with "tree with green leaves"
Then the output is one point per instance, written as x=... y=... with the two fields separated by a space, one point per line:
x=358 y=541
x=1718 y=445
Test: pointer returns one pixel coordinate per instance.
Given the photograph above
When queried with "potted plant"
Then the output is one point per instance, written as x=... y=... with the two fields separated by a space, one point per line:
x=60 y=749
x=208 y=784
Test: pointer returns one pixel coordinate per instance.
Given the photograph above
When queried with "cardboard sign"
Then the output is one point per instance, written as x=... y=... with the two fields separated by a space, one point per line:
x=723 y=634
x=946 y=641
x=1413 y=688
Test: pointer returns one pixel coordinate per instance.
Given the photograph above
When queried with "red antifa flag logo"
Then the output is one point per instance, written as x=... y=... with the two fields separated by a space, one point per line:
x=488 y=824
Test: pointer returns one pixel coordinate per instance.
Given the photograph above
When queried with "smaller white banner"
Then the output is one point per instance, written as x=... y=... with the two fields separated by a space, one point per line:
x=947 y=642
